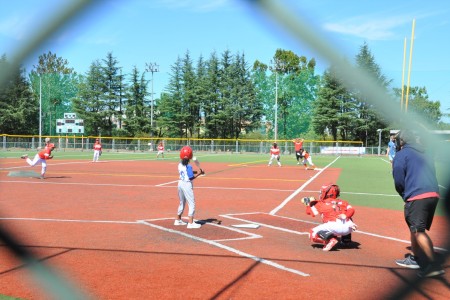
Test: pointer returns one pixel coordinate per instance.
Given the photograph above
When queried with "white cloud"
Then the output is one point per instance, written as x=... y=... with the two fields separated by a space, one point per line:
x=369 y=28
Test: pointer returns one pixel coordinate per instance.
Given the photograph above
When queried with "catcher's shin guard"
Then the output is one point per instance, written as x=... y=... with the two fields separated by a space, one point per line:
x=325 y=235
x=315 y=239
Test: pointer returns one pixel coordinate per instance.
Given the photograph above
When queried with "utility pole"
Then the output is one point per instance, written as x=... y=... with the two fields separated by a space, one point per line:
x=40 y=109
x=153 y=68
x=277 y=66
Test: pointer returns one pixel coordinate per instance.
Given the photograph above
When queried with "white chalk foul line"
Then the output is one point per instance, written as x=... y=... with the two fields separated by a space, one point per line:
x=286 y=201
x=227 y=248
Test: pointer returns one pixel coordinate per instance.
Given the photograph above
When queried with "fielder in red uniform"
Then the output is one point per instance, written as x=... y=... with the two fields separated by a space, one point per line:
x=160 y=150
x=41 y=157
x=298 y=146
x=335 y=213
x=307 y=159
x=275 y=154
x=97 y=150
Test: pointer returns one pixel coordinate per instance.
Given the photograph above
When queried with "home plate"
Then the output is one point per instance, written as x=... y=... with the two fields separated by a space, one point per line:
x=247 y=225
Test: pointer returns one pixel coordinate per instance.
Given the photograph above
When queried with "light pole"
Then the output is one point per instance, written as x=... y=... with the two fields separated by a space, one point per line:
x=152 y=67
x=40 y=109
x=277 y=66
x=379 y=141
x=276 y=104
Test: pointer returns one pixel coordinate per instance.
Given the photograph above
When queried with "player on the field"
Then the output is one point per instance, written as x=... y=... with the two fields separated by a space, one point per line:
x=336 y=215
x=185 y=188
x=307 y=159
x=41 y=157
x=275 y=154
x=160 y=150
x=298 y=146
x=97 y=150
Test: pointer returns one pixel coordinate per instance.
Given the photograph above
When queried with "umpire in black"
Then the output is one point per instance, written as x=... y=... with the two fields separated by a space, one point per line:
x=415 y=181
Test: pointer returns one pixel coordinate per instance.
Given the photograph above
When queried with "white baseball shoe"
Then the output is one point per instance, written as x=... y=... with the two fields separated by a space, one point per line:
x=193 y=225
x=179 y=223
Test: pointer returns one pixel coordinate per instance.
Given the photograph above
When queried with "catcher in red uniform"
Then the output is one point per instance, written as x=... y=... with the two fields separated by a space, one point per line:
x=336 y=216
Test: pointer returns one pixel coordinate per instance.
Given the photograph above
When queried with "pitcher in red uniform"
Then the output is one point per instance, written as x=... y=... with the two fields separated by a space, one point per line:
x=41 y=157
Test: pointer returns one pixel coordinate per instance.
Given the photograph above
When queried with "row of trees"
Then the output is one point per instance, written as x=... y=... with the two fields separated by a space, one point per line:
x=218 y=97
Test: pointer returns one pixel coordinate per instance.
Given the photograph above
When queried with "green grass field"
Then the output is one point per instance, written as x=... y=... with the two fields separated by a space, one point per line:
x=364 y=181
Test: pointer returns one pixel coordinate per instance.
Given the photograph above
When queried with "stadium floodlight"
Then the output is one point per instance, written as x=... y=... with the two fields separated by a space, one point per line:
x=151 y=67
x=379 y=141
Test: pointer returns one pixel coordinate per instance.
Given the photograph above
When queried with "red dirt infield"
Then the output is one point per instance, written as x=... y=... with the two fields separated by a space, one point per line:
x=109 y=227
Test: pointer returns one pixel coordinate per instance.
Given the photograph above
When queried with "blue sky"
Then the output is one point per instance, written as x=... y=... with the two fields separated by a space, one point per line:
x=139 y=32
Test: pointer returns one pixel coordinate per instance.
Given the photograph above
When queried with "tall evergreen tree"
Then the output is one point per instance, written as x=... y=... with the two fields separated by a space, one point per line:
x=55 y=84
x=112 y=93
x=89 y=103
x=334 y=107
x=19 y=108
x=137 y=119
x=212 y=104
x=368 y=121
x=171 y=120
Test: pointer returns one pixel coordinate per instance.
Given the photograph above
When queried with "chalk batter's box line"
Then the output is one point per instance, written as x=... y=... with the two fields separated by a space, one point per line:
x=249 y=235
x=230 y=216
x=227 y=248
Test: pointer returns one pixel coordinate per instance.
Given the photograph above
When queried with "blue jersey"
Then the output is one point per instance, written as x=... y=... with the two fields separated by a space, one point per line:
x=186 y=172
x=392 y=148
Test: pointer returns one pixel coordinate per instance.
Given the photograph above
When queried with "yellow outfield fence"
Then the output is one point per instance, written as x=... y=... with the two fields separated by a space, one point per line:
x=142 y=144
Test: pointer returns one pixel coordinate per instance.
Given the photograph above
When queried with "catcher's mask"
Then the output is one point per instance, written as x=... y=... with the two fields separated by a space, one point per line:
x=186 y=152
x=329 y=191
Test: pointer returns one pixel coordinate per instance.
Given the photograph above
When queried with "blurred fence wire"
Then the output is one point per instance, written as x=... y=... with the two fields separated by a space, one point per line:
x=279 y=15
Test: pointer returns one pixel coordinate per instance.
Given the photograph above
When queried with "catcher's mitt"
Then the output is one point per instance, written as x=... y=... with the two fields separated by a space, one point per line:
x=309 y=201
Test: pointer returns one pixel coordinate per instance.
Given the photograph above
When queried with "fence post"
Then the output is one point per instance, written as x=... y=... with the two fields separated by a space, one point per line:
x=139 y=145
x=4 y=142
x=32 y=142
x=212 y=146
x=237 y=146
x=112 y=144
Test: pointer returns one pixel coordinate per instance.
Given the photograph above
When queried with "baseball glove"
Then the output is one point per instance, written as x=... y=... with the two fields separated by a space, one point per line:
x=100 y=153
x=309 y=201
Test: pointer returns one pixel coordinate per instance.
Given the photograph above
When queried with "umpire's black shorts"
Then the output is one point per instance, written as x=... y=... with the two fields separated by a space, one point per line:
x=419 y=213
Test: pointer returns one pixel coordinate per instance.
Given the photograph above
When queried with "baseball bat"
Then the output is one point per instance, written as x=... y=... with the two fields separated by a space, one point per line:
x=197 y=163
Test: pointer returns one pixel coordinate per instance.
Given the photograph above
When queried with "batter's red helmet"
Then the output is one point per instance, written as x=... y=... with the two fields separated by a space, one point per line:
x=329 y=191
x=186 y=152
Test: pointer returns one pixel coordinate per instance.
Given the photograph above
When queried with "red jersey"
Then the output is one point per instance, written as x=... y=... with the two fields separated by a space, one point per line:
x=97 y=146
x=330 y=209
x=161 y=148
x=275 y=151
x=298 y=146
x=46 y=153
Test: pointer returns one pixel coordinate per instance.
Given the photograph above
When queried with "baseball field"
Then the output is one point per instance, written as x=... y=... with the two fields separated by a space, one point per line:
x=105 y=230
